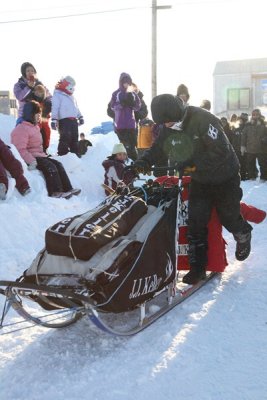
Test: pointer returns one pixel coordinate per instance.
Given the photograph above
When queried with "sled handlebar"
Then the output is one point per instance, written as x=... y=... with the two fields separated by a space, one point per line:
x=162 y=168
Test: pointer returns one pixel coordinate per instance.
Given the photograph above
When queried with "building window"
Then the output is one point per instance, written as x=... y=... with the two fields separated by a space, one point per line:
x=238 y=99
x=13 y=103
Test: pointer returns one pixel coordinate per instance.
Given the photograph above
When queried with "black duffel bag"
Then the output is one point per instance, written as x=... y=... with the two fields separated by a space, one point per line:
x=83 y=235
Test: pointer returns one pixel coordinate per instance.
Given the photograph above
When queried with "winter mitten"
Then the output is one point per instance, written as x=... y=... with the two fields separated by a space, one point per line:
x=32 y=165
x=54 y=124
x=141 y=166
x=81 y=121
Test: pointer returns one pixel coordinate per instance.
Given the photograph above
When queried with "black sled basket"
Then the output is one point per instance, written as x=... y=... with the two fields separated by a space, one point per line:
x=123 y=274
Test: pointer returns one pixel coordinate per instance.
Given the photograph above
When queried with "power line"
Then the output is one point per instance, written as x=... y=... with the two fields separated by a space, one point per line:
x=73 y=15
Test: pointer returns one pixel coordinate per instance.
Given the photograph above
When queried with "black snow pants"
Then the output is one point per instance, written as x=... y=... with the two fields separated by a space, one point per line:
x=55 y=175
x=68 y=136
x=225 y=197
x=128 y=138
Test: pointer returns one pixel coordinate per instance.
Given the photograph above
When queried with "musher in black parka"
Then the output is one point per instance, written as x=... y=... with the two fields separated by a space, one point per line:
x=193 y=137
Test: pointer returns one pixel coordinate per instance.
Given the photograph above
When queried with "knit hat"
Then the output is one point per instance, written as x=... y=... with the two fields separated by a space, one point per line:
x=66 y=84
x=24 y=67
x=29 y=110
x=167 y=108
x=118 y=148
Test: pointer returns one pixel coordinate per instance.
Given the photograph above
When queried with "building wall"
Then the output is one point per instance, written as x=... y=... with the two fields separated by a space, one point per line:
x=221 y=84
x=8 y=104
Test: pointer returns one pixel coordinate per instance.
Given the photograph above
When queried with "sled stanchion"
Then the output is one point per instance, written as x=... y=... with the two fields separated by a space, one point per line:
x=142 y=314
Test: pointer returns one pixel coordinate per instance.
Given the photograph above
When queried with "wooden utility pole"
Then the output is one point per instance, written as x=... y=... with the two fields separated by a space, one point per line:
x=155 y=8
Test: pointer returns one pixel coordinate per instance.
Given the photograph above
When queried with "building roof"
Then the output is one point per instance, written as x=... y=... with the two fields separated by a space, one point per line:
x=252 y=66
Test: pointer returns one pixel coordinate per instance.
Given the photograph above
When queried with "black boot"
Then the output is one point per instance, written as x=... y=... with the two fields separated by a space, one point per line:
x=243 y=241
x=194 y=275
x=198 y=260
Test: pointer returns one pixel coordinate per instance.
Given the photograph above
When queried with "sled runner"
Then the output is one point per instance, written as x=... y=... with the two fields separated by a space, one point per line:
x=116 y=264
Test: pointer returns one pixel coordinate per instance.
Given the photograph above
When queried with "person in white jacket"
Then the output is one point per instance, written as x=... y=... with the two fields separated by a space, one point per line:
x=66 y=116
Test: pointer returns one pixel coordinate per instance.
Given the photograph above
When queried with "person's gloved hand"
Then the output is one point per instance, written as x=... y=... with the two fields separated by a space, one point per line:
x=243 y=150
x=81 y=120
x=126 y=99
x=54 y=124
x=141 y=166
x=32 y=165
x=185 y=167
x=189 y=170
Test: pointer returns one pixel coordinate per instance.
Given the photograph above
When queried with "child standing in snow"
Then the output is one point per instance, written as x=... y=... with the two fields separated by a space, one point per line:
x=28 y=140
x=66 y=116
x=114 y=167
x=13 y=166
x=83 y=144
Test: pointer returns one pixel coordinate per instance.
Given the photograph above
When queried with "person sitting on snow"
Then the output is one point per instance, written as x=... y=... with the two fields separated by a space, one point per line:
x=114 y=167
x=83 y=144
x=28 y=140
x=9 y=163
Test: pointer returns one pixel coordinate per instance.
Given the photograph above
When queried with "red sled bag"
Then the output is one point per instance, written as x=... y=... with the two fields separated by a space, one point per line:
x=80 y=237
x=217 y=260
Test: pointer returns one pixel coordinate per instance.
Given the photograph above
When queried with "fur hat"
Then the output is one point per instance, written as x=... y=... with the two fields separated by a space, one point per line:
x=29 y=110
x=167 y=108
x=24 y=67
x=118 y=148
x=183 y=90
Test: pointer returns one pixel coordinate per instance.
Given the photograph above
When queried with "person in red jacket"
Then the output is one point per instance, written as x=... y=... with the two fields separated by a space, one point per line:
x=9 y=163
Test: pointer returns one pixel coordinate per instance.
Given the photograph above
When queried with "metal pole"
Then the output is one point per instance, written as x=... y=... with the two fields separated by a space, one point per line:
x=155 y=8
x=154 y=48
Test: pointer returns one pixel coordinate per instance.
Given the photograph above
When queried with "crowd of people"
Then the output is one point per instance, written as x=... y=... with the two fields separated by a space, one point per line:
x=191 y=139
x=248 y=136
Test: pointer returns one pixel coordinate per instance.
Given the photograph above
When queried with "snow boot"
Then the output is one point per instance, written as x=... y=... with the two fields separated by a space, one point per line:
x=61 y=195
x=198 y=260
x=25 y=191
x=194 y=275
x=75 y=192
x=3 y=191
x=243 y=245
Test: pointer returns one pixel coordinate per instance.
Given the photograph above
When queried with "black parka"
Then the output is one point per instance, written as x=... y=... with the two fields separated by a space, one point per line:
x=202 y=142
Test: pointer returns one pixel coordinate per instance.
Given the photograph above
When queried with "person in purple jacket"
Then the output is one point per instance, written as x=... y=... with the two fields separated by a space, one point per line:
x=124 y=102
x=25 y=90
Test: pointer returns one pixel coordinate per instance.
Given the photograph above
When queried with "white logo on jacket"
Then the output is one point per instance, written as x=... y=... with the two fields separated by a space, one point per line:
x=213 y=132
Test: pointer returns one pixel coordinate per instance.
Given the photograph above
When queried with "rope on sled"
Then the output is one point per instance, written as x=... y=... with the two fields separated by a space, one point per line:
x=71 y=249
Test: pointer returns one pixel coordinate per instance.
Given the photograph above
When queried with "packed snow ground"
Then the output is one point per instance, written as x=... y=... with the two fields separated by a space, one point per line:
x=212 y=347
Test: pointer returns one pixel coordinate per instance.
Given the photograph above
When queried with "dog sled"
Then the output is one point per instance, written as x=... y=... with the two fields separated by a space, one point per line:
x=118 y=264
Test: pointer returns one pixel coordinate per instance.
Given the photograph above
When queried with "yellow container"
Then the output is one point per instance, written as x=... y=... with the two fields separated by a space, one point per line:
x=144 y=139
